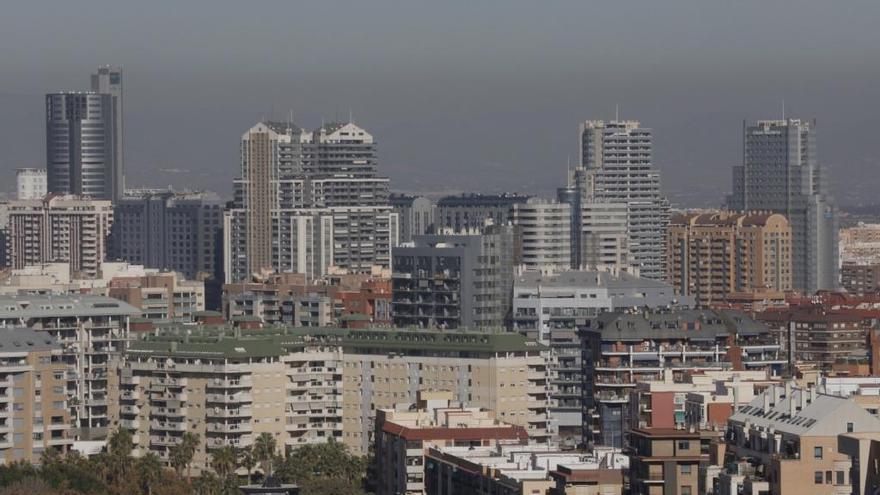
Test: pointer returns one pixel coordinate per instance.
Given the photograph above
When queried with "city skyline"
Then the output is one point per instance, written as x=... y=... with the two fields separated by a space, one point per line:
x=509 y=124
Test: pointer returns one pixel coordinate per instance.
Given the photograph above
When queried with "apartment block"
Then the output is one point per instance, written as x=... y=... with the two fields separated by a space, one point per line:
x=621 y=349
x=669 y=460
x=455 y=281
x=616 y=166
x=170 y=230
x=711 y=255
x=604 y=237
x=34 y=415
x=307 y=201
x=468 y=213
x=30 y=183
x=524 y=469
x=229 y=387
x=161 y=297
x=792 y=435
x=293 y=300
x=92 y=331
x=816 y=336
x=403 y=438
x=506 y=373
x=860 y=278
x=551 y=308
x=416 y=215
x=59 y=229
x=545 y=233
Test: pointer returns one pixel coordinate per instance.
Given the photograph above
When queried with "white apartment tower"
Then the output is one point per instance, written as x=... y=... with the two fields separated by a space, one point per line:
x=616 y=166
x=30 y=183
x=546 y=234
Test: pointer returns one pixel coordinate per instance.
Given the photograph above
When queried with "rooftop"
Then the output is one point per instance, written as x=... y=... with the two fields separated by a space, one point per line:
x=42 y=306
x=584 y=279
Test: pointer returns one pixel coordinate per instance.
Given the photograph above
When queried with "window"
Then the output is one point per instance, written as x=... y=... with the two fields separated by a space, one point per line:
x=828 y=480
x=684 y=445
x=841 y=478
x=686 y=490
x=685 y=469
x=817 y=452
x=849 y=427
x=817 y=477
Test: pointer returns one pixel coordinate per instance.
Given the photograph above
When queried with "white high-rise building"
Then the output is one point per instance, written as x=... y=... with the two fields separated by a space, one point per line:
x=108 y=81
x=546 y=234
x=605 y=236
x=306 y=201
x=59 y=229
x=616 y=166
x=30 y=183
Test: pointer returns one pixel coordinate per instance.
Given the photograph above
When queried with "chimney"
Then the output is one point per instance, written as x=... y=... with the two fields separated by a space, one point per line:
x=791 y=409
x=774 y=395
x=766 y=398
x=803 y=398
x=788 y=390
x=735 y=398
x=812 y=394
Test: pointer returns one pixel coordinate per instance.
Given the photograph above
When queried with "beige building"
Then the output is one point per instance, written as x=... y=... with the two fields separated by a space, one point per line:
x=307 y=385
x=59 y=229
x=161 y=296
x=792 y=434
x=506 y=373
x=229 y=386
x=93 y=331
x=710 y=255
x=403 y=437
x=33 y=401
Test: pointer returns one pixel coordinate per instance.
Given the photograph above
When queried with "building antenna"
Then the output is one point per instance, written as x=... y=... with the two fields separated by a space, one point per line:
x=616 y=112
x=783 y=109
x=350 y=116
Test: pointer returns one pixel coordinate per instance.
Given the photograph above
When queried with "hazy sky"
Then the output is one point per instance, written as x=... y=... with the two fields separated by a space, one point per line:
x=471 y=95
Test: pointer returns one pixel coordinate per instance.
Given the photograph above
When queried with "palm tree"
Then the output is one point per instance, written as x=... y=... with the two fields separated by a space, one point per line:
x=264 y=452
x=223 y=461
x=149 y=470
x=247 y=460
x=189 y=445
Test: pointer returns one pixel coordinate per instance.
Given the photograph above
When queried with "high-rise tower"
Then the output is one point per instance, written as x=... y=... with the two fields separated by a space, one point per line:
x=615 y=166
x=781 y=173
x=108 y=80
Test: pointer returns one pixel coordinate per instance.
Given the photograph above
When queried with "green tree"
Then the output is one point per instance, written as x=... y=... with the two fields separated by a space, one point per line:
x=182 y=454
x=324 y=469
x=149 y=472
x=224 y=461
x=264 y=452
x=247 y=461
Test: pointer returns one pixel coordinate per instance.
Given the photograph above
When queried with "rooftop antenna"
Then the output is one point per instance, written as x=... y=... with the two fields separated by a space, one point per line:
x=290 y=121
x=783 y=109
x=616 y=112
x=350 y=116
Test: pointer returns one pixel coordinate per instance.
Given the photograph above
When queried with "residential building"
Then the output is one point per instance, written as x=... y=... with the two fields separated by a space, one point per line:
x=34 y=415
x=160 y=297
x=551 y=308
x=292 y=299
x=505 y=373
x=792 y=434
x=860 y=278
x=30 y=183
x=860 y=244
x=616 y=166
x=306 y=201
x=82 y=145
x=621 y=349
x=416 y=215
x=546 y=234
x=468 y=213
x=669 y=460
x=711 y=255
x=815 y=336
x=170 y=230
x=59 y=229
x=523 y=469
x=781 y=173
x=863 y=450
x=403 y=437
x=229 y=388
x=455 y=281
x=93 y=331
x=604 y=237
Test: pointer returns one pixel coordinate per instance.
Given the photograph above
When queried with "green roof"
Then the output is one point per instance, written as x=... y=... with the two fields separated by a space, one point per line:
x=225 y=341
x=207 y=313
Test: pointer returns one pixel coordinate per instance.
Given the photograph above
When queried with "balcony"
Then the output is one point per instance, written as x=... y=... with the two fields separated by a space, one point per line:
x=230 y=427
x=168 y=426
x=229 y=398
